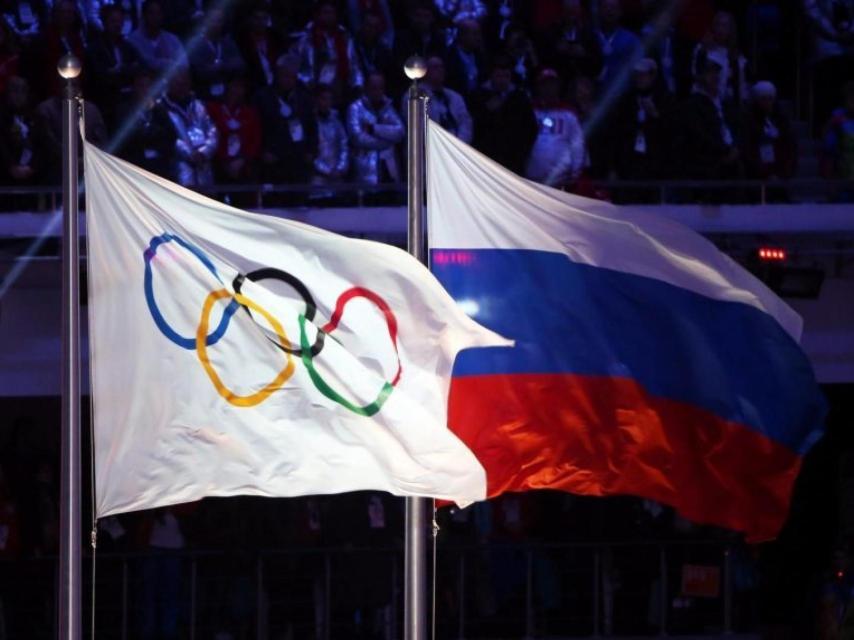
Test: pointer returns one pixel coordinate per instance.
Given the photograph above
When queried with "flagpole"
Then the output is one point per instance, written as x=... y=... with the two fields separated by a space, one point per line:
x=415 y=556
x=70 y=578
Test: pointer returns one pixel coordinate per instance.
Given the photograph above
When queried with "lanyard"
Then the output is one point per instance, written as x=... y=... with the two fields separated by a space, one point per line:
x=216 y=48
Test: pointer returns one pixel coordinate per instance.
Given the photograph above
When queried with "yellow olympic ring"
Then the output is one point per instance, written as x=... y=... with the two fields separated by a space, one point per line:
x=202 y=351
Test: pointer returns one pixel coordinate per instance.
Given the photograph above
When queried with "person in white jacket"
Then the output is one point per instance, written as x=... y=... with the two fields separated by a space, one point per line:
x=557 y=156
x=197 y=135
x=445 y=106
x=374 y=129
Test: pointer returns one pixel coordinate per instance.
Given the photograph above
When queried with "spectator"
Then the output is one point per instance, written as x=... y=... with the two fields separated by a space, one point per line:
x=458 y=11
x=769 y=146
x=148 y=138
x=196 y=136
x=374 y=129
x=183 y=15
x=26 y=18
x=160 y=573
x=504 y=123
x=501 y=16
x=722 y=42
x=157 y=48
x=9 y=55
x=63 y=35
x=332 y=153
x=640 y=126
x=832 y=35
x=359 y=10
x=670 y=50
x=215 y=58
x=466 y=59
x=523 y=54
x=20 y=153
x=573 y=46
x=557 y=156
x=372 y=52
x=285 y=111
x=95 y=15
x=839 y=139
x=113 y=63
x=327 y=53
x=584 y=101
x=261 y=48
x=422 y=37
x=49 y=133
x=239 y=127
x=619 y=45
x=705 y=140
x=445 y=106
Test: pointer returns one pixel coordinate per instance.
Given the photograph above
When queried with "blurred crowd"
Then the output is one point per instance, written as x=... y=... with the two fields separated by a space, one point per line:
x=355 y=541
x=299 y=564
x=565 y=92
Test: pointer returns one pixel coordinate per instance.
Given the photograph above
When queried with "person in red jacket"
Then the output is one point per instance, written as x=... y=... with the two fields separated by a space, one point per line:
x=239 y=128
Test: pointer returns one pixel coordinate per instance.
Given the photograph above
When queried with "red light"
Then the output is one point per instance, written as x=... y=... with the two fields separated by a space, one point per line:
x=451 y=256
x=772 y=253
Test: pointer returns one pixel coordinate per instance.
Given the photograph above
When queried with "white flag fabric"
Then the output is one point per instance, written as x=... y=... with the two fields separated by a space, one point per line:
x=240 y=354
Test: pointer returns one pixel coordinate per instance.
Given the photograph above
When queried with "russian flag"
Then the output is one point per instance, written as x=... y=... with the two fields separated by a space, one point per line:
x=646 y=362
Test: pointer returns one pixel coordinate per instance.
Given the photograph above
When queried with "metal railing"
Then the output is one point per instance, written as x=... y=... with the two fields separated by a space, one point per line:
x=260 y=196
x=521 y=590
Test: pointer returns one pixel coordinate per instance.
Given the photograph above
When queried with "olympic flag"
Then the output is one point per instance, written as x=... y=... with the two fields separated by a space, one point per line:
x=234 y=353
x=646 y=361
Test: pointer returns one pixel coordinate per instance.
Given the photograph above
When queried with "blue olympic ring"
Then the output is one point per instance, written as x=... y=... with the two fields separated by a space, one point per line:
x=159 y=320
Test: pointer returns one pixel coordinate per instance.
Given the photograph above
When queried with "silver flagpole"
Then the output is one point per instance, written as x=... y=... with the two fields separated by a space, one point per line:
x=70 y=578
x=415 y=560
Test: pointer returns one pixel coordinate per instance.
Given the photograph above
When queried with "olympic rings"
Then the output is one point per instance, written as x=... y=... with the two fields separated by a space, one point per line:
x=201 y=349
x=159 y=320
x=298 y=286
x=306 y=352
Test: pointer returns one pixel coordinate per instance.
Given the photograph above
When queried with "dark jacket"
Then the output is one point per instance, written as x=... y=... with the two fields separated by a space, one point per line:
x=213 y=63
x=150 y=139
x=110 y=70
x=289 y=134
x=19 y=145
x=642 y=141
x=457 y=78
x=375 y=57
x=573 y=51
x=700 y=146
x=506 y=131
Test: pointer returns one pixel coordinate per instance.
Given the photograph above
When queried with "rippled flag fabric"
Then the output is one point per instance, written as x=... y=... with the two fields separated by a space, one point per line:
x=646 y=362
x=235 y=353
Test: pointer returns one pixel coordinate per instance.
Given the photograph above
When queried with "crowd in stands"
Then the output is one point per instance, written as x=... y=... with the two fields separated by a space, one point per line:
x=565 y=92
x=360 y=534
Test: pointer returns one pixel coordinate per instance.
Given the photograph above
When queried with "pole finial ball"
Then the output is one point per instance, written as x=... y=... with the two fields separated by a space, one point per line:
x=69 y=66
x=415 y=67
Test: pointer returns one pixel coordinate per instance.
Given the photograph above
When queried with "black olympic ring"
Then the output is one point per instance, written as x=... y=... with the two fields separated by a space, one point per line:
x=297 y=285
